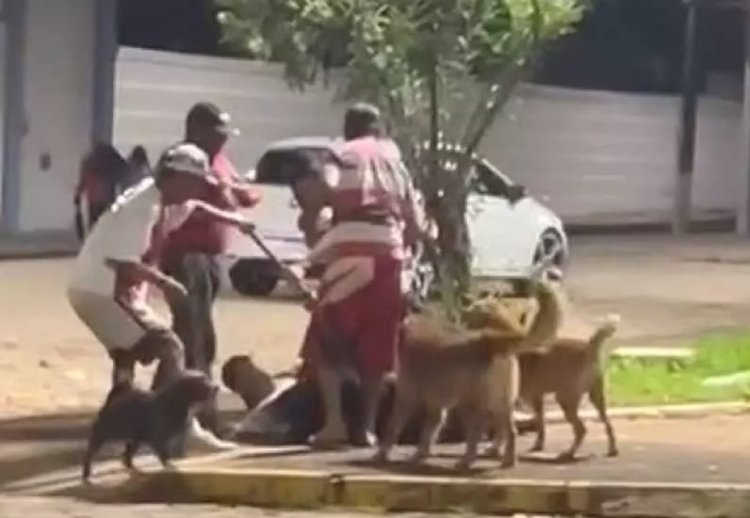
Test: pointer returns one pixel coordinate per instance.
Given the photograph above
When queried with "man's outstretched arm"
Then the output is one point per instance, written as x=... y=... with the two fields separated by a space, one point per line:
x=136 y=271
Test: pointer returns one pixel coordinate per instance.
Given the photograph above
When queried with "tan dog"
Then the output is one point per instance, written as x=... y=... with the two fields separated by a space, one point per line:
x=473 y=371
x=570 y=369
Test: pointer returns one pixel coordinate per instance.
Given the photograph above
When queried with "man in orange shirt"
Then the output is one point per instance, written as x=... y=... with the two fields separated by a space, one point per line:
x=190 y=253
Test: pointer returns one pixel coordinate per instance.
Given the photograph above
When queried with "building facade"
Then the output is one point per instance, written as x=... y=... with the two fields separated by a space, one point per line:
x=56 y=96
x=593 y=156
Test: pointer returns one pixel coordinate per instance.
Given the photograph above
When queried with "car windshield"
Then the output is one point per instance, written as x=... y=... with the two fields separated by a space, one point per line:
x=488 y=181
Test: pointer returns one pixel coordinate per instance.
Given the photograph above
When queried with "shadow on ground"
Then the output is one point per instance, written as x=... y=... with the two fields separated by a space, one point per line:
x=33 y=446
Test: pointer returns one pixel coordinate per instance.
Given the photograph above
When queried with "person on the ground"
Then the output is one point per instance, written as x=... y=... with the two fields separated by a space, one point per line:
x=190 y=253
x=101 y=175
x=290 y=411
x=359 y=305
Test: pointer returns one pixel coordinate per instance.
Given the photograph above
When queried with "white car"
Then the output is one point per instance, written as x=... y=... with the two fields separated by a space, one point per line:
x=510 y=231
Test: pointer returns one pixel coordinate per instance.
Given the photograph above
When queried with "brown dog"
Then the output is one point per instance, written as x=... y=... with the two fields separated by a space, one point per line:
x=570 y=369
x=240 y=375
x=474 y=372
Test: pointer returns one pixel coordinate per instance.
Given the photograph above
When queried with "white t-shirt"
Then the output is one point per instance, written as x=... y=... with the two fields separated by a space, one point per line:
x=123 y=233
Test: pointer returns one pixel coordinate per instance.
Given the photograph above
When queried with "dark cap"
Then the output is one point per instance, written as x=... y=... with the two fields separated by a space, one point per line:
x=208 y=115
x=185 y=158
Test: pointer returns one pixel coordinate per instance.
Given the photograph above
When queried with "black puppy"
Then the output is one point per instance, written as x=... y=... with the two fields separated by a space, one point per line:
x=158 y=418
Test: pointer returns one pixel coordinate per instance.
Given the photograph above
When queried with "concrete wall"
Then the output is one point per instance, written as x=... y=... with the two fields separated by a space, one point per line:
x=156 y=89
x=58 y=106
x=599 y=155
x=591 y=155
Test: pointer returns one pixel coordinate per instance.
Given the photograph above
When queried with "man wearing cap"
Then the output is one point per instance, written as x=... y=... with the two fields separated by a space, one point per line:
x=375 y=218
x=190 y=252
x=108 y=289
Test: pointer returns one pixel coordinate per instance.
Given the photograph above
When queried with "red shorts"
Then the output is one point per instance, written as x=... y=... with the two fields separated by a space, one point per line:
x=369 y=318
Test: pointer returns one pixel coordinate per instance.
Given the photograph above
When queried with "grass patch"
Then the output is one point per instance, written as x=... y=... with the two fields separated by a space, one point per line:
x=634 y=382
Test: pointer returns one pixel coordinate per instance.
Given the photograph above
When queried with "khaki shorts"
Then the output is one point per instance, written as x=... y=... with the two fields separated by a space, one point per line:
x=115 y=325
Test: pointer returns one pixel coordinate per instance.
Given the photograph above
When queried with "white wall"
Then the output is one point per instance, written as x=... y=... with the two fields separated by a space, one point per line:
x=58 y=101
x=594 y=155
x=156 y=89
x=599 y=155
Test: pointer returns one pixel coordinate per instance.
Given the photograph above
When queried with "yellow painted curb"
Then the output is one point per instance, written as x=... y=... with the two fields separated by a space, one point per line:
x=428 y=494
x=261 y=488
x=392 y=493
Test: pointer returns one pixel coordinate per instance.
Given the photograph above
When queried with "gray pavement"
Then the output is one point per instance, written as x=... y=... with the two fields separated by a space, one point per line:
x=693 y=450
x=666 y=290
x=13 y=507
x=709 y=450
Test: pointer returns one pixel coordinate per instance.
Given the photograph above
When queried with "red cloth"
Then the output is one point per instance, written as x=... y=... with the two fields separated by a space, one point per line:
x=370 y=318
x=370 y=183
x=202 y=233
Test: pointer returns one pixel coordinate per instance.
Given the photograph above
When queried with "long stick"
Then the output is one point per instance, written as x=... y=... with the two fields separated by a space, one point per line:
x=336 y=348
x=286 y=271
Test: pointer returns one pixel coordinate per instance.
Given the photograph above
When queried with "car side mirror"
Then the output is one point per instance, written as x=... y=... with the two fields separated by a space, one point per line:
x=516 y=193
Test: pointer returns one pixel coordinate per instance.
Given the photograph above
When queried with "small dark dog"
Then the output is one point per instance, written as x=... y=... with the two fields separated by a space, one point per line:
x=158 y=418
x=570 y=369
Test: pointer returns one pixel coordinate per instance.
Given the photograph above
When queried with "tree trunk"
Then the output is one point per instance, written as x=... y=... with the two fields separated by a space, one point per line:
x=455 y=246
x=454 y=256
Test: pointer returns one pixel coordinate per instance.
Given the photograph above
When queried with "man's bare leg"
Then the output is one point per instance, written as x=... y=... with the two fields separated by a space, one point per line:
x=334 y=431
x=372 y=392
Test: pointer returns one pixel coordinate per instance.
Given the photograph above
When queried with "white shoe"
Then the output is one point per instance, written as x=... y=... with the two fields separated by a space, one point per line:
x=199 y=437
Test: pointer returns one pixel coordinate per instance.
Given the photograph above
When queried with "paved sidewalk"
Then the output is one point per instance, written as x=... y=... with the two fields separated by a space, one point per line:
x=707 y=450
x=679 y=465
x=66 y=508
x=667 y=292
x=712 y=449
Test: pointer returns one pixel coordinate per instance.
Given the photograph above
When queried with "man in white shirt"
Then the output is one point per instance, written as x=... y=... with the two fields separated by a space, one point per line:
x=108 y=289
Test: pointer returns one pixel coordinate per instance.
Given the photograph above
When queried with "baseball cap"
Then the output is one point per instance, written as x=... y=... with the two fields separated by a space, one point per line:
x=208 y=115
x=185 y=158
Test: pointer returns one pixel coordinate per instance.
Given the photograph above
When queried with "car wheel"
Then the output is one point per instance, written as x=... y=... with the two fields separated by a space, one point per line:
x=551 y=240
x=254 y=277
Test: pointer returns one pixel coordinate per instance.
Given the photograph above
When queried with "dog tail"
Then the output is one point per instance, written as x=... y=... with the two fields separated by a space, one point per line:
x=605 y=330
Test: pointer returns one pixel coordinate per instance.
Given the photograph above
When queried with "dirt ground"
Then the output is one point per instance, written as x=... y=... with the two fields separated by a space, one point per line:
x=666 y=290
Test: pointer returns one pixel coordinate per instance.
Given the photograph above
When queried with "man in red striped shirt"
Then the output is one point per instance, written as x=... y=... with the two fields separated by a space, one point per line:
x=190 y=253
x=375 y=217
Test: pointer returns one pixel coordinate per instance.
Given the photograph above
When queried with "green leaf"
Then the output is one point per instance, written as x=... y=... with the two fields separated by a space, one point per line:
x=476 y=50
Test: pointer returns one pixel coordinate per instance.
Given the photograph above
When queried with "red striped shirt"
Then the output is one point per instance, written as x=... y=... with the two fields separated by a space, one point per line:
x=371 y=182
x=202 y=233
